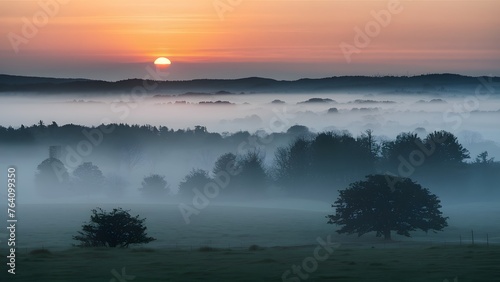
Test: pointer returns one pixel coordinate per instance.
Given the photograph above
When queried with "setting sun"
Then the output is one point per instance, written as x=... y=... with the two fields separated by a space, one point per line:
x=162 y=61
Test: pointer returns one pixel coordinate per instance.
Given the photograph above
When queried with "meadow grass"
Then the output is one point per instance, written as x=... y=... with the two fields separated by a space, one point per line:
x=236 y=244
x=347 y=263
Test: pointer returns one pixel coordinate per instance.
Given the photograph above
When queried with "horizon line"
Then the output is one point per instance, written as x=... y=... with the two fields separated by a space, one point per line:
x=253 y=77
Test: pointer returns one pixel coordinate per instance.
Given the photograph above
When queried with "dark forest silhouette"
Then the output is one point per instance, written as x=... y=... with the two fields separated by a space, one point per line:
x=310 y=166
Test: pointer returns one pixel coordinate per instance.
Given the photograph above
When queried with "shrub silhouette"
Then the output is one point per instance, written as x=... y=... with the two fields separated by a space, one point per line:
x=114 y=229
x=154 y=185
x=196 y=178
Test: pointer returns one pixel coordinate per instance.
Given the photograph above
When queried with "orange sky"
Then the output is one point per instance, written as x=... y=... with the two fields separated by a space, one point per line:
x=88 y=38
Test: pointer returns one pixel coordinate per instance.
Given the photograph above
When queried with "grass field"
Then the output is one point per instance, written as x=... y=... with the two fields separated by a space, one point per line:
x=346 y=263
x=286 y=238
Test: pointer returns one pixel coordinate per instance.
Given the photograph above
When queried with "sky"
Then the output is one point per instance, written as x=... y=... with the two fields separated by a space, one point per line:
x=114 y=40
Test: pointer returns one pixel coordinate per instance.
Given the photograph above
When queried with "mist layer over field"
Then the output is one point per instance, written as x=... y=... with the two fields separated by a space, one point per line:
x=468 y=114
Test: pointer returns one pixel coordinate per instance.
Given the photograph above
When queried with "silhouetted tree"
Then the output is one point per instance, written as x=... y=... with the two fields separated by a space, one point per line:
x=396 y=151
x=198 y=129
x=484 y=175
x=367 y=141
x=88 y=178
x=196 y=178
x=483 y=159
x=154 y=185
x=114 y=229
x=225 y=163
x=372 y=205
x=53 y=125
x=292 y=166
x=444 y=149
x=41 y=124
x=52 y=177
x=338 y=159
x=253 y=179
x=299 y=131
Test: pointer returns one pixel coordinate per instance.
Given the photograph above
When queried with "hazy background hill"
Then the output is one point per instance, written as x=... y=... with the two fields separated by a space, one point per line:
x=9 y=80
x=400 y=84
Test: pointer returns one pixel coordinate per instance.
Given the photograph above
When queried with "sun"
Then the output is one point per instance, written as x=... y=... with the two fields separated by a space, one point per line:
x=162 y=61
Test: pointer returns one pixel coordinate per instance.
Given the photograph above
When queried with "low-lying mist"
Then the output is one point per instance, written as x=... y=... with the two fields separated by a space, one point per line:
x=386 y=114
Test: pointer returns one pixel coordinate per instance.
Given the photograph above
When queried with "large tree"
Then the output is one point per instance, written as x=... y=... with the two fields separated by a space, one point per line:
x=383 y=204
x=114 y=229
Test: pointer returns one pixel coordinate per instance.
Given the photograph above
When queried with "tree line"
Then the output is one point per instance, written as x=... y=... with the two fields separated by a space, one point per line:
x=311 y=166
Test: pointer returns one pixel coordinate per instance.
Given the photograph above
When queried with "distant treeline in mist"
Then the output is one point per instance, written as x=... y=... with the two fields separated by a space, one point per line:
x=242 y=165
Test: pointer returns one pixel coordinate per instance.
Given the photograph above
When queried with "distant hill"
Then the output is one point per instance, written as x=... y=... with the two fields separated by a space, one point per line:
x=6 y=79
x=388 y=84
